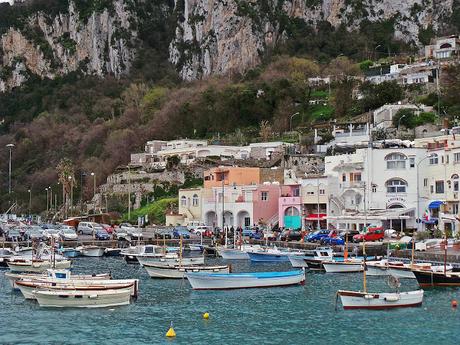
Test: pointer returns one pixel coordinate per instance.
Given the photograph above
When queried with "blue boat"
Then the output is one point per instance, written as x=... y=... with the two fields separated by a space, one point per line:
x=69 y=252
x=269 y=257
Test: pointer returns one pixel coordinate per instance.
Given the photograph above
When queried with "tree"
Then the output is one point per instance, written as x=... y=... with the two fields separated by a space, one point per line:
x=376 y=95
x=265 y=130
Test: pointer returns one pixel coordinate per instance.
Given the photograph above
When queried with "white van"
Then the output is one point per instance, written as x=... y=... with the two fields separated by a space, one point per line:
x=88 y=228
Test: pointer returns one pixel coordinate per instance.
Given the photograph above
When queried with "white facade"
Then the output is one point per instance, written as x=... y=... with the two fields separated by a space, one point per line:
x=443 y=47
x=374 y=187
x=383 y=116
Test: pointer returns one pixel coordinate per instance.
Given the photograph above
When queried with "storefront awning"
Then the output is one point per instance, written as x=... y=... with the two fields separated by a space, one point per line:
x=435 y=204
x=314 y=216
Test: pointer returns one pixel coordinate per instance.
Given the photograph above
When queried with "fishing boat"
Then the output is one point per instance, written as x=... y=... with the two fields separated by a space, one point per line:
x=171 y=261
x=91 y=251
x=220 y=281
x=365 y=300
x=346 y=266
x=83 y=299
x=240 y=253
x=178 y=272
x=273 y=255
x=29 y=287
x=5 y=255
x=37 y=266
x=431 y=279
x=312 y=259
x=195 y=247
x=112 y=251
x=53 y=275
x=69 y=252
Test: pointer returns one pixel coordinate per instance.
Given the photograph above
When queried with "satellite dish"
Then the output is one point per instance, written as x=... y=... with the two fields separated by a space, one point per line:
x=393 y=282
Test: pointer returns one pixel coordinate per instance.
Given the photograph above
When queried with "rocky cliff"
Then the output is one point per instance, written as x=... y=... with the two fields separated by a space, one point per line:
x=208 y=36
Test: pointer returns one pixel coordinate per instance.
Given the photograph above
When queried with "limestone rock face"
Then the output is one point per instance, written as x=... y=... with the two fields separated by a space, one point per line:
x=229 y=36
x=66 y=43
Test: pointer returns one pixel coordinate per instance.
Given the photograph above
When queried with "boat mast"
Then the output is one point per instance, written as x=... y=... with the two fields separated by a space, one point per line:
x=364 y=267
x=180 y=251
x=445 y=252
x=413 y=252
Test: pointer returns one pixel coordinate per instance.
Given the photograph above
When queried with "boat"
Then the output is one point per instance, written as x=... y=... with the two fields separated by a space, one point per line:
x=53 y=275
x=5 y=255
x=132 y=254
x=69 y=252
x=238 y=253
x=195 y=247
x=178 y=272
x=91 y=251
x=431 y=279
x=312 y=259
x=112 y=251
x=171 y=261
x=273 y=255
x=29 y=287
x=83 y=299
x=346 y=266
x=366 y=300
x=37 y=266
x=221 y=281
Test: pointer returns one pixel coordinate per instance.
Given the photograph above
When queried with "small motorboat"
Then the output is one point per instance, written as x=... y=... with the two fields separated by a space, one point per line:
x=273 y=255
x=5 y=255
x=346 y=266
x=69 y=252
x=91 y=251
x=171 y=260
x=312 y=259
x=366 y=300
x=29 y=287
x=53 y=275
x=221 y=281
x=83 y=299
x=178 y=272
x=195 y=247
x=37 y=266
x=238 y=253
x=112 y=252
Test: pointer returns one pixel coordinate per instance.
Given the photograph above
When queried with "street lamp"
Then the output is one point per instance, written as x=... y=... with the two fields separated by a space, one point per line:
x=290 y=121
x=375 y=50
x=399 y=121
x=71 y=195
x=51 y=198
x=94 y=183
x=418 y=190
x=30 y=201
x=47 y=200
x=10 y=147
x=129 y=193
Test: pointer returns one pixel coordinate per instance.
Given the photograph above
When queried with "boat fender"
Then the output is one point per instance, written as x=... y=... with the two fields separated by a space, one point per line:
x=392 y=298
x=368 y=296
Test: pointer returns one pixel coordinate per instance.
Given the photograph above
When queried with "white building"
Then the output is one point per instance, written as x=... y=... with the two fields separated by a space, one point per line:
x=443 y=47
x=374 y=187
x=383 y=116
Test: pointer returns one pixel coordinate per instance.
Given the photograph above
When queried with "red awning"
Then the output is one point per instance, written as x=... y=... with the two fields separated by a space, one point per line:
x=314 y=216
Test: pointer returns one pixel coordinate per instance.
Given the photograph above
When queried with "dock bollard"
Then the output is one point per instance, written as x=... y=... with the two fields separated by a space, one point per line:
x=171 y=333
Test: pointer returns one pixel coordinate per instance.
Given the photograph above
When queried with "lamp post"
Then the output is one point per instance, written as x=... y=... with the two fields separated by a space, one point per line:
x=51 y=198
x=129 y=193
x=223 y=201
x=94 y=183
x=418 y=191
x=375 y=50
x=30 y=201
x=290 y=121
x=71 y=195
x=82 y=176
x=47 y=200
x=399 y=121
x=10 y=147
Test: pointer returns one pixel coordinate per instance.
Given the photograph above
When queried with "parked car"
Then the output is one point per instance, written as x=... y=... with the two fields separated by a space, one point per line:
x=204 y=230
x=291 y=235
x=166 y=232
x=34 y=233
x=101 y=234
x=317 y=235
x=13 y=235
x=52 y=233
x=88 y=228
x=333 y=241
x=181 y=231
x=108 y=228
x=68 y=234
x=372 y=234
x=348 y=233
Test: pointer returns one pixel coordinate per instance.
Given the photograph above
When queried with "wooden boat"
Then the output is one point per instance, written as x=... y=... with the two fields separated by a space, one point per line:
x=37 y=266
x=273 y=255
x=238 y=253
x=431 y=279
x=53 y=275
x=348 y=266
x=365 y=300
x=171 y=261
x=5 y=255
x=69 y=252
x=312 y=259
x=178 y=272
x=28 y=287
x=219 y=281
x=83 y=299
x=91 y=251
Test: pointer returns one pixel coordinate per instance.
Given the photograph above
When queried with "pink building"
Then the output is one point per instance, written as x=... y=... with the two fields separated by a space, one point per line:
x=290 y=207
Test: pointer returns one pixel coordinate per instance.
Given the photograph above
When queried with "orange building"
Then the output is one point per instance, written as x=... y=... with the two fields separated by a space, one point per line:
x=239 y=176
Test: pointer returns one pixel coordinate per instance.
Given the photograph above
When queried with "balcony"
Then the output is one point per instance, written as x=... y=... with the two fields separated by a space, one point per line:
x=352 y=184
x=289 y=200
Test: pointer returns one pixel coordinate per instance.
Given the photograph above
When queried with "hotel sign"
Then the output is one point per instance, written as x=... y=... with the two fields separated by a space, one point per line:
x=396 y=199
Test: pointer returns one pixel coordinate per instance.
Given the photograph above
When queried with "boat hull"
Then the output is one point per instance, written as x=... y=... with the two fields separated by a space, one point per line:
x=298 y=261
x=37 y=267
x=376 y=271
x=342 y=267
x=268 y=257
x=14 y=277
x=431 y=279
x=70 y=253
x=80 y=299
x=145 y=260
x=402 y=273
x=203 y=281
x=232 y=254
x=92 y=252
x=112 y=252
x=362 y=300
x=166 y=272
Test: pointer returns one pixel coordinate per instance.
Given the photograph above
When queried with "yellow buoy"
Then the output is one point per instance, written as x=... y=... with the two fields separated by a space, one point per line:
x=171 y=333
x=206 y=316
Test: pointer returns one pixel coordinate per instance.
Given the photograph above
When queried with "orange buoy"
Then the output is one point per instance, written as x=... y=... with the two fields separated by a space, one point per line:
x=454 y=303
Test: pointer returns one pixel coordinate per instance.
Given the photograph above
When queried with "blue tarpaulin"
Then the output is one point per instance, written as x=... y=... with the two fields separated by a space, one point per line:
x=435 y=204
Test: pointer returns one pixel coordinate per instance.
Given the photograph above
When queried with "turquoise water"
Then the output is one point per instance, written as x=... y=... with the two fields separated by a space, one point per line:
x=290 y=315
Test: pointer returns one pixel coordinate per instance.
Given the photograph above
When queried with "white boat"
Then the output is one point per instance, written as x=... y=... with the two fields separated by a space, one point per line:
x=232 y=254
x=365 y=300
x=37 y=266
x=348 y=266
x=404 y=271
x=219 y=281
x=29 y=287
x=178 y=272
x=312 y=259
x=195 y=247
x=91 y=251
x=53 y=275
x=83 y=299
x=171 y=261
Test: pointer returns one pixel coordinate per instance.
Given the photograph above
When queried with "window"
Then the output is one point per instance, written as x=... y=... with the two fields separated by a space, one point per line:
x=296 y=192
x=374 y=188
x=396 y=186
x=321 y=192
x=183 y=200
x=425 y=182
x=431 y=189
x=344 y=177
x=396 y=161
x=457 y=157
x=412 y=162
x=455 y=182
x=195 y=200
x=455 y=208
x=447 y=159
x=310 y=193
x=439 y=186
x=434 y=159
x=356 y=177
x=264 y=196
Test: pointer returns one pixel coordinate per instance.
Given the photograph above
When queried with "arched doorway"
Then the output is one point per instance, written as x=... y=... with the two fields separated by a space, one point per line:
x=243 y=219
x=396 y=224
x=211 y=219
x=228 y=219
x=292 y=218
